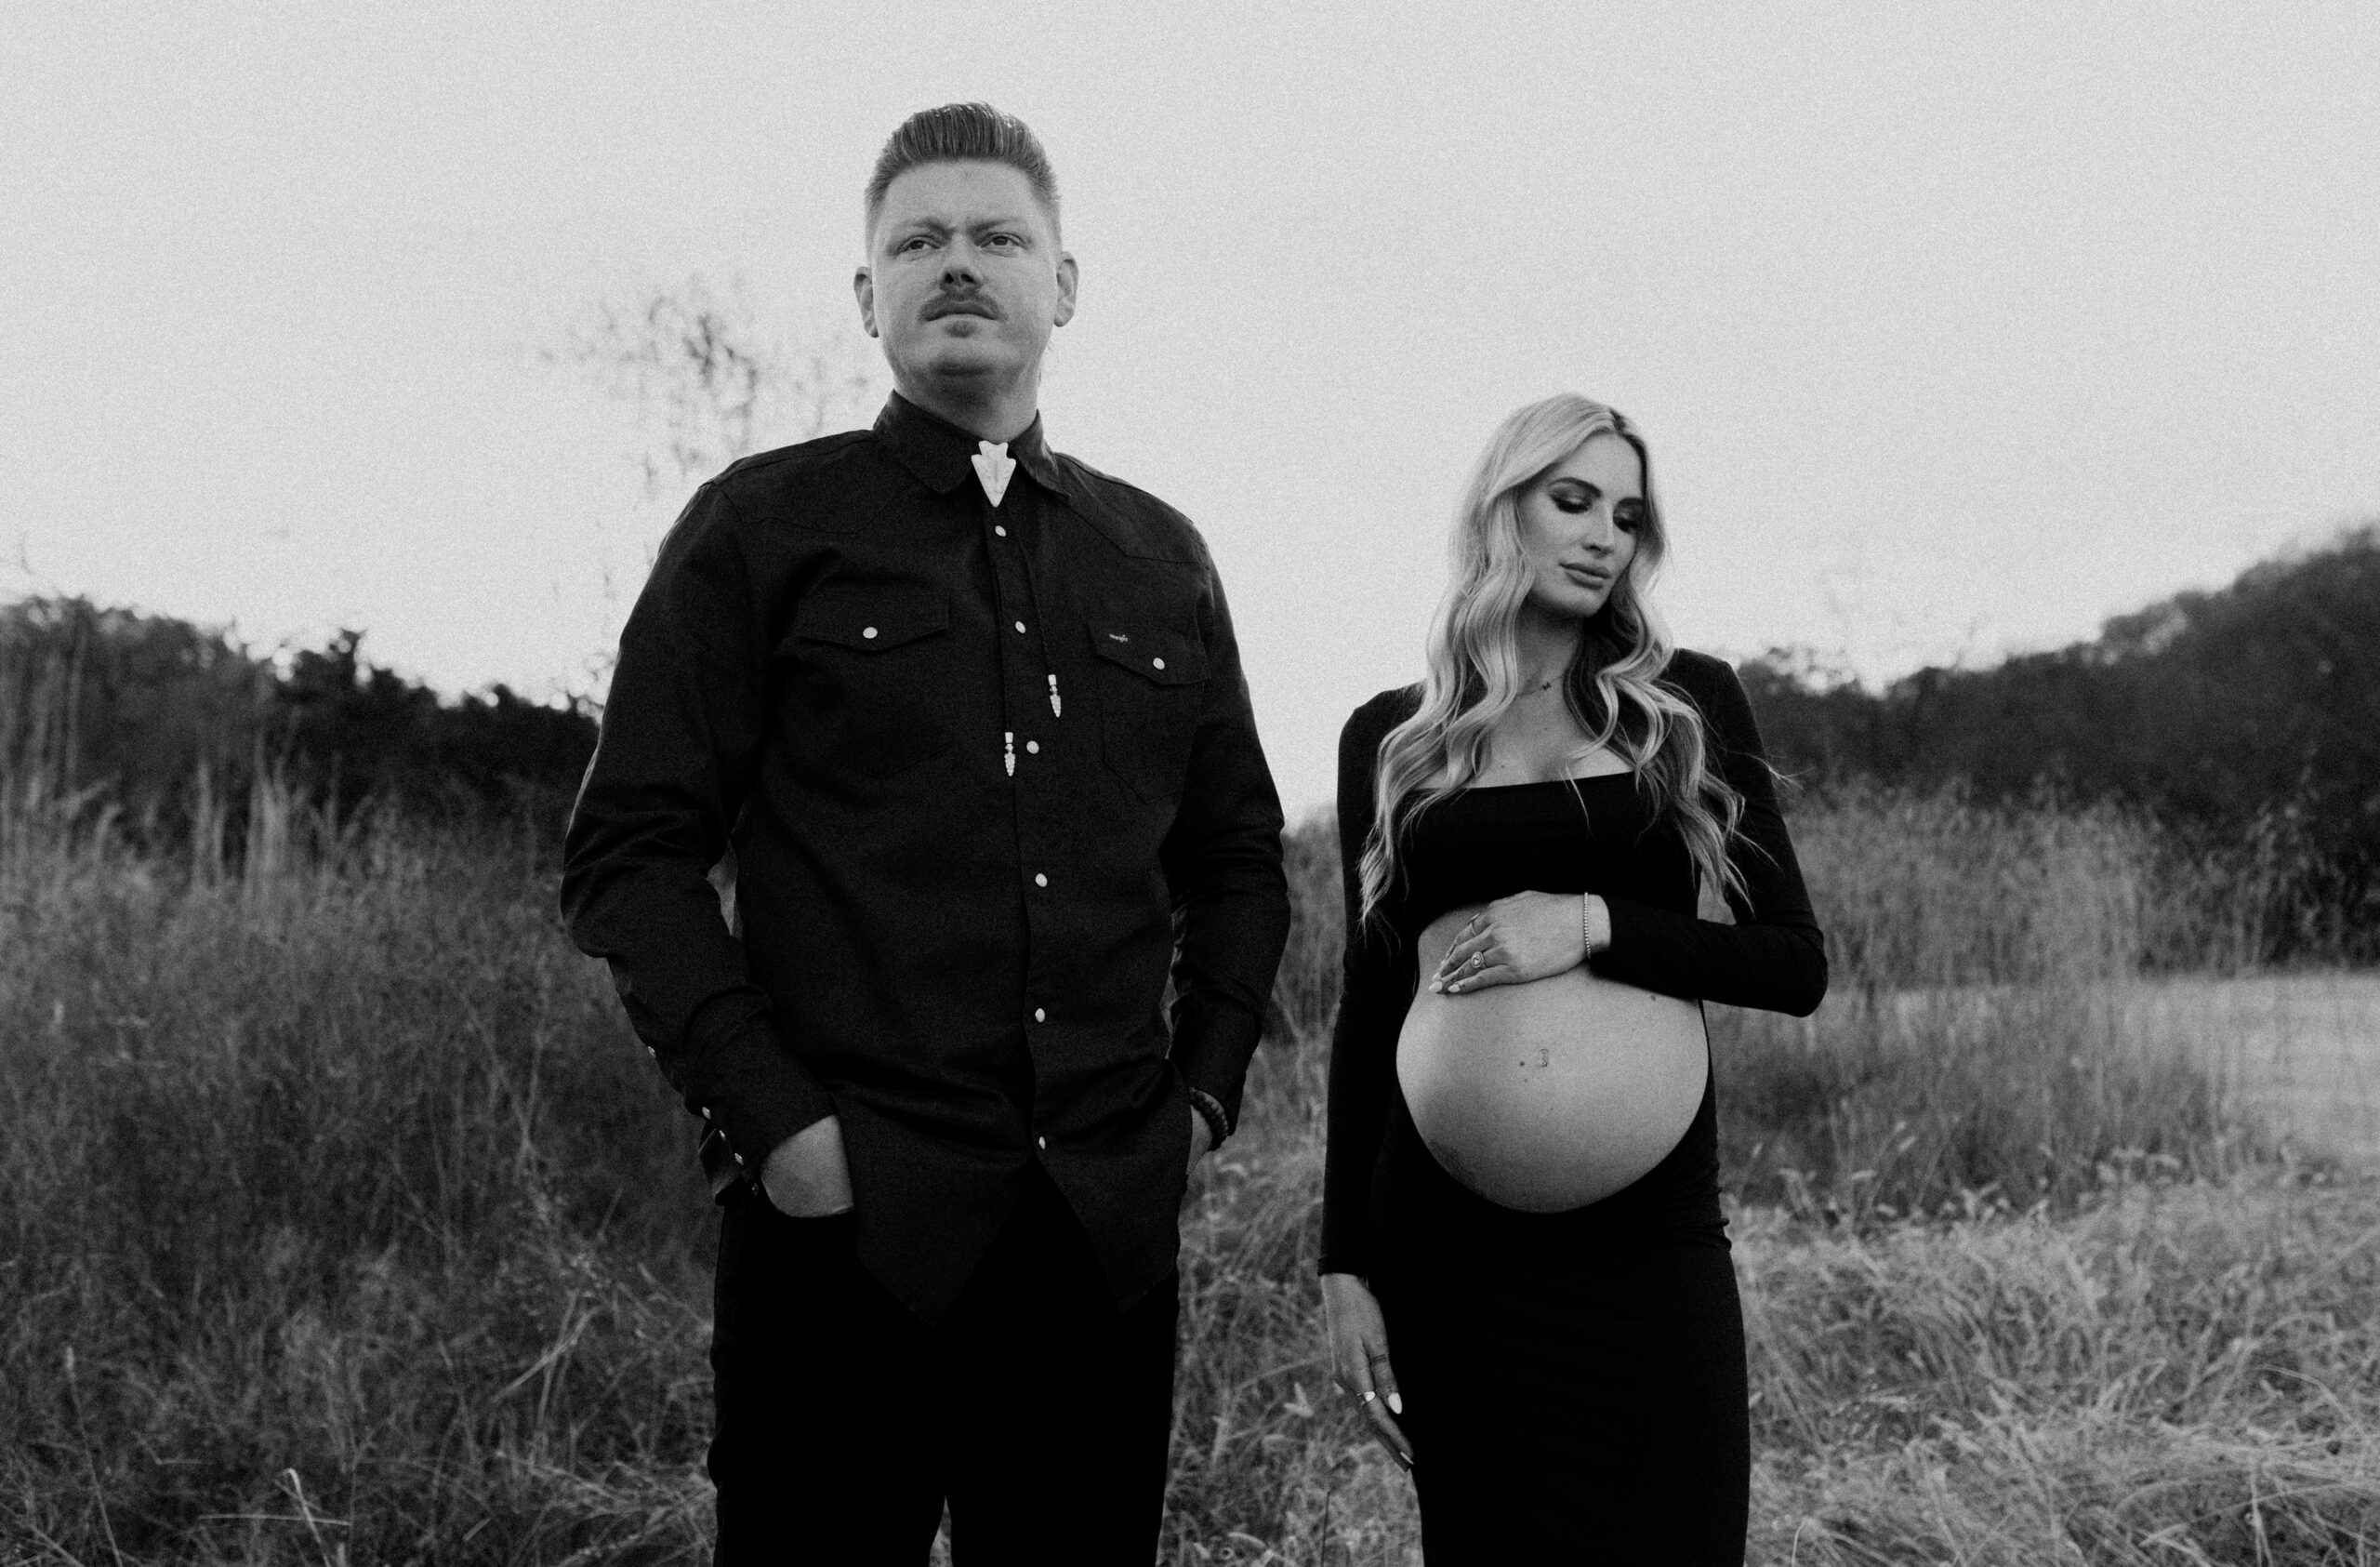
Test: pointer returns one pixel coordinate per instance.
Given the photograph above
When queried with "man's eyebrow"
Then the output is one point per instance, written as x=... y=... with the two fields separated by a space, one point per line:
x=932 y=225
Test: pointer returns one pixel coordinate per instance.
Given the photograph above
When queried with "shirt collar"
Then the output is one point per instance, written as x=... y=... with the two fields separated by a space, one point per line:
x=938 y=452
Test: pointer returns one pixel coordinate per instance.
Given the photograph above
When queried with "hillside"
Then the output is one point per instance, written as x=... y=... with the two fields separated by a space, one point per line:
x=2253 y=710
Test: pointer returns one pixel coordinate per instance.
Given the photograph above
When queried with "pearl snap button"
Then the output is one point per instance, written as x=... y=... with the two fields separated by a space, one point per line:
x=1039 y=880
x=1033 y=747
x=869 y=632
x=1158 y=663
x=1041 y=1143
x=1020 y=626
x=1039 y=1016
x=1001 y=531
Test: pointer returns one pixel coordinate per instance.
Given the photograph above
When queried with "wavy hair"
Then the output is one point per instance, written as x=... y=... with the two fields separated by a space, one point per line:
x=1613 y=683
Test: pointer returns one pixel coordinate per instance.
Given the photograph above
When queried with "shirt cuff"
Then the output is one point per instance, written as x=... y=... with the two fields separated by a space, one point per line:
x=756 y=1095
x=1213 y=1041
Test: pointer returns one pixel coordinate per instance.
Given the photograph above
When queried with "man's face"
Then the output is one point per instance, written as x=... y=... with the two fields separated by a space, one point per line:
x=964 y=280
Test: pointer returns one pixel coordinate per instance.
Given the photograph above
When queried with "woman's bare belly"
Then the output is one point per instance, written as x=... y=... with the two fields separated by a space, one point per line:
x=1550 y=1095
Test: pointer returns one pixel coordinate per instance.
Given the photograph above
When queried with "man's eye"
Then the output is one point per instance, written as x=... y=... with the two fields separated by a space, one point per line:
x=915 y=241
x=1006 y=241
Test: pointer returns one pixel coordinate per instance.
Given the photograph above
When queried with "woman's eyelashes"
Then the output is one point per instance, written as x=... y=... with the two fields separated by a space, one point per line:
x=1627 y=516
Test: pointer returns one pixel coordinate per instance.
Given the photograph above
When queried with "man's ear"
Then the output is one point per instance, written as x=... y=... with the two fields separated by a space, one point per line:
x=1069 y=277
x=864 y=289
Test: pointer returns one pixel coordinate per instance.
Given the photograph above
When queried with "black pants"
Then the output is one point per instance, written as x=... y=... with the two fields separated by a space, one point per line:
x=1038 y=1409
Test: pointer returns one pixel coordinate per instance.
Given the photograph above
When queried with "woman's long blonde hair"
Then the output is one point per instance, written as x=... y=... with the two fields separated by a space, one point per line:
x=1612 y=686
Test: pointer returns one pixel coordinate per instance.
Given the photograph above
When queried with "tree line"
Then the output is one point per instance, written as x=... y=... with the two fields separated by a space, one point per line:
x=151 y=718
x=2248 y=716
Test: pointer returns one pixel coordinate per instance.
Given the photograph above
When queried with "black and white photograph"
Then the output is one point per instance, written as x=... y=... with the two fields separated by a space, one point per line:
x=1137 y=786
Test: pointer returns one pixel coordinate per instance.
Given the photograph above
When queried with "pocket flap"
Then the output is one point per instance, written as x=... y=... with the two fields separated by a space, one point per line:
x=1159 y=657
x=869 y=619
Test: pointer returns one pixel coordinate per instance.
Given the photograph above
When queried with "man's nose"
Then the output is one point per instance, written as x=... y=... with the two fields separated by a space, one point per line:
x=958 y=263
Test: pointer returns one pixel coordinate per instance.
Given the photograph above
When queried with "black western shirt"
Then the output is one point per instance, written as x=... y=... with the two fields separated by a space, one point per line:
x=990 y=775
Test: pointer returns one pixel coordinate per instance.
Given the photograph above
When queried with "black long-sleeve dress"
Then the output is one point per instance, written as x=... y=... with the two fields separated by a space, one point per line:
x=1573 y=1382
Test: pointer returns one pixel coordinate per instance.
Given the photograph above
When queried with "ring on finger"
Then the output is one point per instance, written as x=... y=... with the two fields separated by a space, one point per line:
x=1366 y=1397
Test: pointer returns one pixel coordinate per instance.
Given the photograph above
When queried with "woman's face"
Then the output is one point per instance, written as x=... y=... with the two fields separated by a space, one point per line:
x=1579 y=523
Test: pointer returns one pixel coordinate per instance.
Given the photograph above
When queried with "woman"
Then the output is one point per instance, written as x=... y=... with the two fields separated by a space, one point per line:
x=1524 y=1262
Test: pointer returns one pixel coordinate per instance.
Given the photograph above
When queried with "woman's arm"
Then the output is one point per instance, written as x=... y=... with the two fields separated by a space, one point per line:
x=1376 y=987
x=1773 y=957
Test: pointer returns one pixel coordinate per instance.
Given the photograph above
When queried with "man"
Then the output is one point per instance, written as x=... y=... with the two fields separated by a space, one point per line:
x=972 y=717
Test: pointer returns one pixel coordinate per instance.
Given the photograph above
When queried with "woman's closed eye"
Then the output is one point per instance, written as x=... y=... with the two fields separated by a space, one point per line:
x=1578 y=500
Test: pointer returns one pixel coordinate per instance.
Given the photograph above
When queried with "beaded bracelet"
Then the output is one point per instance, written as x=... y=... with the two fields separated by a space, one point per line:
x=1210 y=1110
x=1587 y=924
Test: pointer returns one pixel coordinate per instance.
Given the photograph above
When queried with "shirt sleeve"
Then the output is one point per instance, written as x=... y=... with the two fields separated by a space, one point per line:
x=1376 y=987
x=673 y=764
x=1773 y=957
x=1221 y=860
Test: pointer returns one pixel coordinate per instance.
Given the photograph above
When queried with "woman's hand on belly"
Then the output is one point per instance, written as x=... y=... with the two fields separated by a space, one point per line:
x=1553 y=1093
x=1514 y=941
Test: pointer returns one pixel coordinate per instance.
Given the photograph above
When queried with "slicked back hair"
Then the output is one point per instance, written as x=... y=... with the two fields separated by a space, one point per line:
x=962 y=133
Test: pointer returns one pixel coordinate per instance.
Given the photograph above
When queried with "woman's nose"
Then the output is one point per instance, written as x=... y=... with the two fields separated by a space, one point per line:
x=1600 y=531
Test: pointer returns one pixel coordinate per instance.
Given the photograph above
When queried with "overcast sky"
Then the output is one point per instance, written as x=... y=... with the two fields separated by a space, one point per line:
x=1955 y=328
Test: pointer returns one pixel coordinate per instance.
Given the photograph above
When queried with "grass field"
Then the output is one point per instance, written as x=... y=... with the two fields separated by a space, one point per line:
x=2302 y=1052
x=342 y=1221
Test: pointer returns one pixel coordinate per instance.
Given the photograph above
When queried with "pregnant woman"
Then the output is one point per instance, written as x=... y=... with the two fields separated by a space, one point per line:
x=1524 y=1261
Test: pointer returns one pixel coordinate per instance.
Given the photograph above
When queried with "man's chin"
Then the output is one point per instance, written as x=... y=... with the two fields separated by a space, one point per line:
x=968 y=370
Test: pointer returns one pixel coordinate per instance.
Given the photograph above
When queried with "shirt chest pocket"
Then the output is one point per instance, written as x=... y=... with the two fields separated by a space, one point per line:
x=1151 y=684
x=861 y=678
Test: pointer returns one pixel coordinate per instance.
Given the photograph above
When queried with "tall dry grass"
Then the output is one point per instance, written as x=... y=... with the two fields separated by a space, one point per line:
x=1977 y=1046
x=335 y=1214
x=341 y=1220
x=2177 y=1374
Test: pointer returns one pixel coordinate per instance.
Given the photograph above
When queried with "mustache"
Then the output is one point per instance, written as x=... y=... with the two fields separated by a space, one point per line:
x=961 y=304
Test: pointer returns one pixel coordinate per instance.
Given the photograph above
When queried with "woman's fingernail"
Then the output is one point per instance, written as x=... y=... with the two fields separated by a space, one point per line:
x=1396 y=1403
